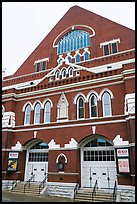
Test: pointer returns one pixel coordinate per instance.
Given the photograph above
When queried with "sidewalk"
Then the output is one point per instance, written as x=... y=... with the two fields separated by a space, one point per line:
x=17 y=197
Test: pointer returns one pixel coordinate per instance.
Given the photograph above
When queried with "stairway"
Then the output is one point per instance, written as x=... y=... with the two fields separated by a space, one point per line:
x=85 y=195
x=32 y=189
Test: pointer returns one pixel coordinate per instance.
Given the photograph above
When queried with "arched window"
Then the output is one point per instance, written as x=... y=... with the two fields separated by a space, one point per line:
x=69 y=59
x=93 y=106
x=27 y=115
x=37 y=114
x=70 y=72
x=64 y=73
x=86 y=56
x=47 y=112
x=74 y=40
x=77 y=58
x=106 y=99
x=80 y=108
x=57 y=74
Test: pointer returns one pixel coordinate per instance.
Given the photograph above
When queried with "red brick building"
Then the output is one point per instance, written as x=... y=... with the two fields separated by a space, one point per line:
x=69 y=110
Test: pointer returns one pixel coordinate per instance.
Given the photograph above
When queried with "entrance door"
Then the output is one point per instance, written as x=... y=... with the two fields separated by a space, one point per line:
x=105 y=176
x=98 y=163
x=38 y=169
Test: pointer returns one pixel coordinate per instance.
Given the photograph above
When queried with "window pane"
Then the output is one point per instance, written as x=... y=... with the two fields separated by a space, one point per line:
x=37 y=113
x=27 y=114
x=73 y=40
x=77 y=58
x=44 y=65
x=47 y=112
x=106 y=50
x=114 y=48
x=106 y=104
x=37 y=67
x=81 y=108
x=93 y=106
x=86 y=56
x=70 y=72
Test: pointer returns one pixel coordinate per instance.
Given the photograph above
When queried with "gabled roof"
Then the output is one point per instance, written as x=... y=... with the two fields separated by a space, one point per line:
x=104 y=28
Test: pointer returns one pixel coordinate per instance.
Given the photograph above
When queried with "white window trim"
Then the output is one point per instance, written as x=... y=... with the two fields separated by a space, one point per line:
x=77 y=96
x=41 y=60
x=108 y=50
x=24 y=107
x=92 y=92
x=45 y=101
x=78 y=108
x=57 y=78
x=110 y=42
x=35 y=113
x=104 y=109
x=76 y=55
x=62 y=70
x=116 y=46
x=45 y=114
x=69 y=71
x=90 y=106
x=25 y=115
x=106 y=90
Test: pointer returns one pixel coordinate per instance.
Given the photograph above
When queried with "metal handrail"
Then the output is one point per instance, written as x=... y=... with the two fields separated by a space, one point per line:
x=75 y=189
x=14 y=184
x=28 y=182
x=42 y=183
x=94 y=189
x=114 y=191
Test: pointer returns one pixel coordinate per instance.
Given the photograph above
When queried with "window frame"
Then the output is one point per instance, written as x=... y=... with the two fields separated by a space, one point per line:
x=35 y=115
x=93 y=95
x=78 y=111
x=116 y=43
x=110 y=104
x=28 y=105
x=47 y=112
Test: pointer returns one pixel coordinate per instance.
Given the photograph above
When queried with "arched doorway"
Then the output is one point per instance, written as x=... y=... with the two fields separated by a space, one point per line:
x=37 y=161
x=98 y=162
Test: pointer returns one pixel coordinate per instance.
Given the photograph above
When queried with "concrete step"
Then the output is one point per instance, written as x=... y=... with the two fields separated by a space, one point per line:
x=32 y=189
x=85 y=195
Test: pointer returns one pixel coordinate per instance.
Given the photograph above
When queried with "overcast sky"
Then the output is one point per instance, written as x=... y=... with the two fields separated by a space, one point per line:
x=26 y=24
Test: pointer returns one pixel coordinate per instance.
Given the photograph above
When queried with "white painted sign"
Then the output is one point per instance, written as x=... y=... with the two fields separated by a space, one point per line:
x=123 y=165
x=122 y=152
x=13 y=155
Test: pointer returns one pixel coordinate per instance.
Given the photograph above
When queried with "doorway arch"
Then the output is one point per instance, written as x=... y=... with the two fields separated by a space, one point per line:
x=36 y=160
x=98 y=162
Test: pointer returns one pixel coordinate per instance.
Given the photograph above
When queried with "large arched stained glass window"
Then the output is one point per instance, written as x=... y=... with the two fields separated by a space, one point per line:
x=74 y=40
x=27 y=115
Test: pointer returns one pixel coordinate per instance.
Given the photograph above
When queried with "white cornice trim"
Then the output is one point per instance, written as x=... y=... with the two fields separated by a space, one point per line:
x=70 y=125
x=56 y=93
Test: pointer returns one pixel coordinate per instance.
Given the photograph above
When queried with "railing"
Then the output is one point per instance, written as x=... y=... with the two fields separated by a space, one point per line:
x=94 y=190
x=28 y=182
x=14 y=184
x=41 y=185
x=75 y=190
x=114 y=191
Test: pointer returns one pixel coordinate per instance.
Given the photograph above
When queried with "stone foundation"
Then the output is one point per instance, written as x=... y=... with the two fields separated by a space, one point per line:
x=60 y=189
x=127 y=193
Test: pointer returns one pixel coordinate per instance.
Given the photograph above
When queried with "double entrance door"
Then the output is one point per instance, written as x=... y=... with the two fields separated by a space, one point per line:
x=105 y=176
x=38 y=169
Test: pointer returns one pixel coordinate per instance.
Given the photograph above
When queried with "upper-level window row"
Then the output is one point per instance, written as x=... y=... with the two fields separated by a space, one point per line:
x=73 y=40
